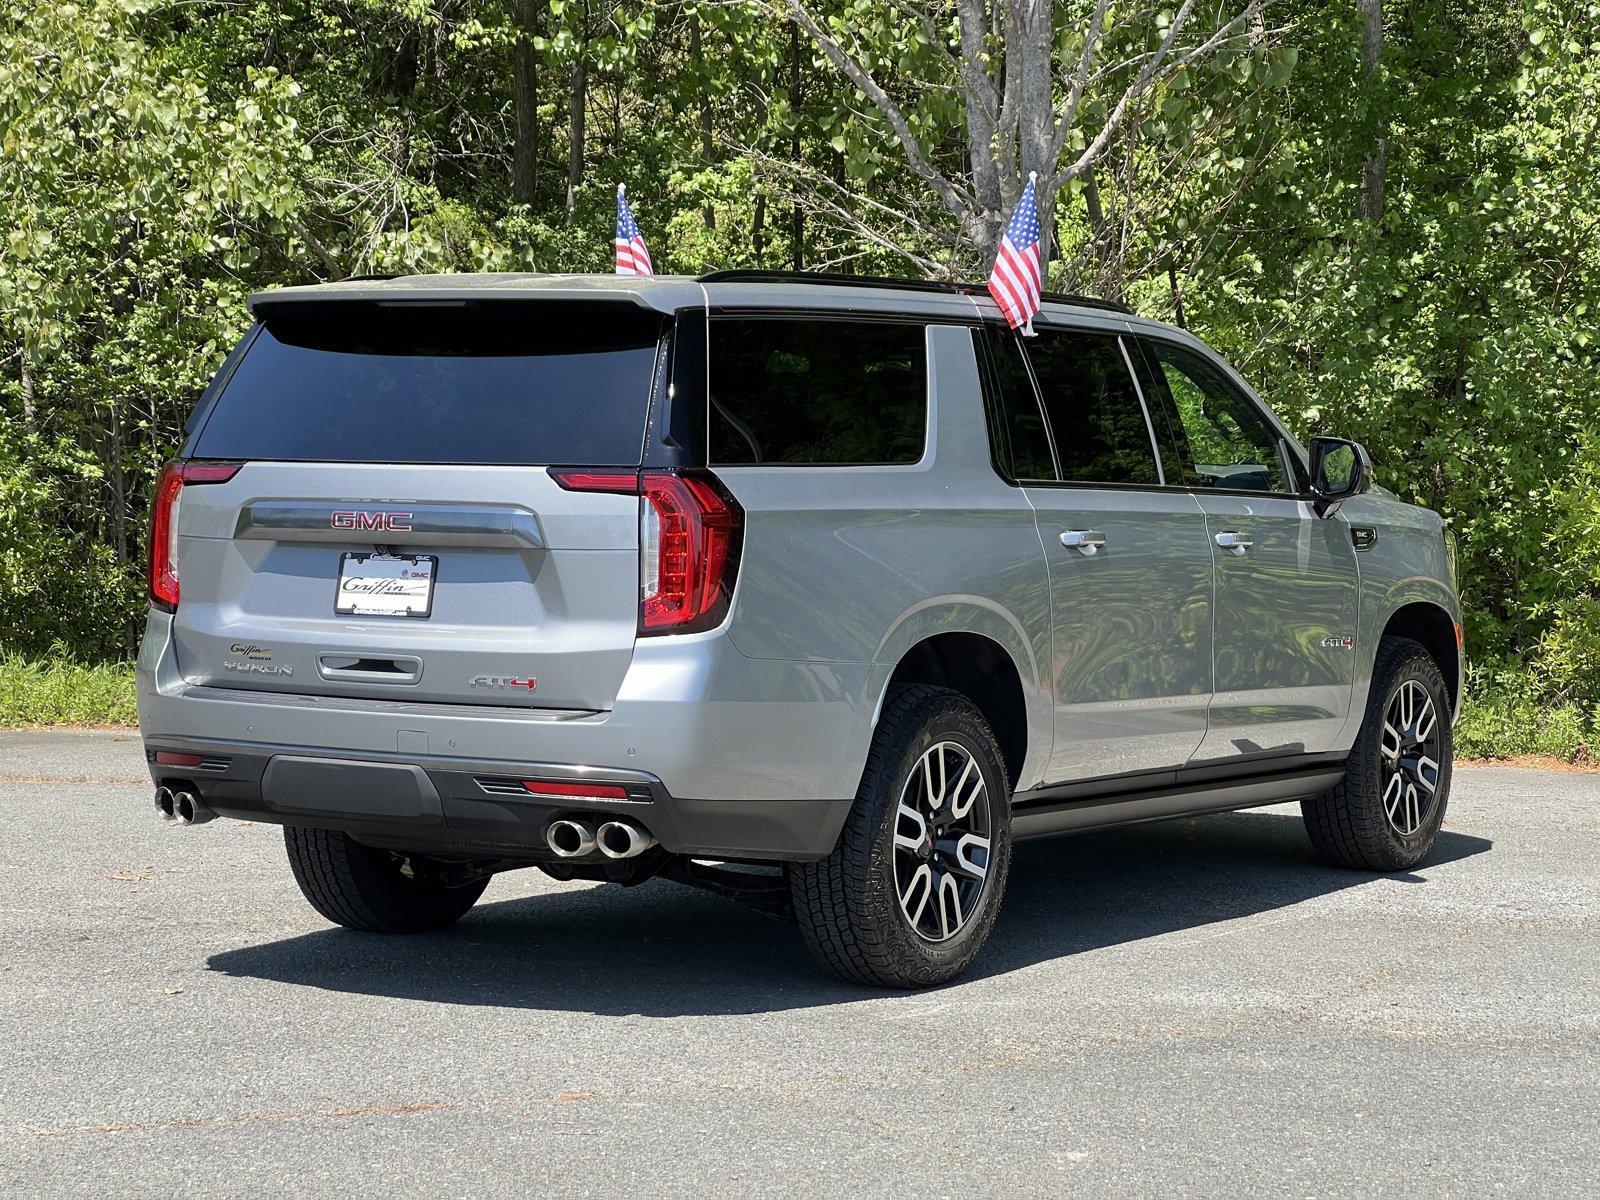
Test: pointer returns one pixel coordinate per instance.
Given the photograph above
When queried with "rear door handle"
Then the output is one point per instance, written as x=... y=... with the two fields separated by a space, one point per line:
x=1234 y=542
x=1086 y=541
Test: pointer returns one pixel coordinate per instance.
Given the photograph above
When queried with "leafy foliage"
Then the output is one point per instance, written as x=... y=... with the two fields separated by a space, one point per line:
x=160 y=160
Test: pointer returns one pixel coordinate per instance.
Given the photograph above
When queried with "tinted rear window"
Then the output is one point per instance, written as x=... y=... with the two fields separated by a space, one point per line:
x=787 y=390
x=493 y=384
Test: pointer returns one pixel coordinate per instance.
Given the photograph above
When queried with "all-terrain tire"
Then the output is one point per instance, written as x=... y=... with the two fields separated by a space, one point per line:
x=847 y=905
x=362 y=888
x=1350 y=826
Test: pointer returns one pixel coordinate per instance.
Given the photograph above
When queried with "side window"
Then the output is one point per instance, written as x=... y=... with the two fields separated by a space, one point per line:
x=792 y=390
x=1019 y=429
x=1218 y=436
x=1094 y=410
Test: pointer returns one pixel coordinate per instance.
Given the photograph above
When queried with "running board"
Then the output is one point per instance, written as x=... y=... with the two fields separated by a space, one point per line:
x=1035 y=815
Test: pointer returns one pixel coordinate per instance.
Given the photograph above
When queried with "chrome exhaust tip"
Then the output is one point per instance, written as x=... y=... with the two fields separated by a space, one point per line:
x=189 y=809
x=623 y=839
x=569 y=838
x=164 y=808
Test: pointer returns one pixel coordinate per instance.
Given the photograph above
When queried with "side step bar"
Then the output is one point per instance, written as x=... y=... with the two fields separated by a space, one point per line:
x=1036 y=815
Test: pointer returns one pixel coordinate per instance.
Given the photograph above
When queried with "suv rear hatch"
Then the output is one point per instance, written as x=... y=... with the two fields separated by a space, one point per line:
x=393 y=531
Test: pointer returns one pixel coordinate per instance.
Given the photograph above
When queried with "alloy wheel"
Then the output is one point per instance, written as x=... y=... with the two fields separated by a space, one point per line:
x=942 y=842
x=1410 y=749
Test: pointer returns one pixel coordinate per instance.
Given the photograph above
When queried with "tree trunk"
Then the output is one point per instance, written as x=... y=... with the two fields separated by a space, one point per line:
x=697 y=53
x=1369 y=206
x=577 y=115
x=525 y=59
x=798 y=217
x=119 y=490
x=28 y=407
x=758 y=227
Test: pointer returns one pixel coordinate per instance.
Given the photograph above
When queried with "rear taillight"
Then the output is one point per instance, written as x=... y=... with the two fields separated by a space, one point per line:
x=690 y=532
x=164 y=523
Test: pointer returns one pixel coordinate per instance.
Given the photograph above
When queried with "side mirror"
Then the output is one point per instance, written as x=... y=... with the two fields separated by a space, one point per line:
x=1339 y=469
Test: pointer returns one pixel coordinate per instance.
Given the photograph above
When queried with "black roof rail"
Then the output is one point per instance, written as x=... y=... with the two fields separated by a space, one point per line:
x=361 y=278
x=951 y=287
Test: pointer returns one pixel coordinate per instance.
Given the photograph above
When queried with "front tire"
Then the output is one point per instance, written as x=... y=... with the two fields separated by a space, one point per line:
x=910 y=893
x=375 y=891
x=1386 y=812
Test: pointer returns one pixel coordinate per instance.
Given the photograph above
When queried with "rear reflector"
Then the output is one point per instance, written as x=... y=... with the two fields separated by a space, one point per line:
x=163 y=547
x=593 y=791
x=176 y=758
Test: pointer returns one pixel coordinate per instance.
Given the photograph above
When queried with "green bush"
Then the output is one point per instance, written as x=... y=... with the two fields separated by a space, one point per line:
x=1509 y=712
x=62 y=692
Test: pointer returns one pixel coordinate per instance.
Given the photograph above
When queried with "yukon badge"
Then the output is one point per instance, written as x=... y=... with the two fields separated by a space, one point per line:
x=254 y=660
x=503 y=681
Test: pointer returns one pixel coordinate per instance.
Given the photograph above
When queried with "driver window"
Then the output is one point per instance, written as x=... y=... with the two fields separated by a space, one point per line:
x=1222 y=440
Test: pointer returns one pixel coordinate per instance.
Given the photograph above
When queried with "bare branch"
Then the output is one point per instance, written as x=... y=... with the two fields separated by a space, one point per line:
x=955 y=198
x=1147 y=76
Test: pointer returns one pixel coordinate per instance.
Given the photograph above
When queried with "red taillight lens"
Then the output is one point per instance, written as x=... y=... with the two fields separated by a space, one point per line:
x=690 y=538
x=164 y=523
x=690 y=533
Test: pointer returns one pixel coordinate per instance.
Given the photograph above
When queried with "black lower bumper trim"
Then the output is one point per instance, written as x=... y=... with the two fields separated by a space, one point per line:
x=462 y=807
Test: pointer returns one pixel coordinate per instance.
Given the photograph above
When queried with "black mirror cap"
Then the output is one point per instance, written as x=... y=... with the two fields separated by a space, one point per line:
x=1326 y=499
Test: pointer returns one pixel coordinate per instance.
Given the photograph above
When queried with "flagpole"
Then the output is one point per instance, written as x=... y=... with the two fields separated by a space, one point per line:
x=1027 y=326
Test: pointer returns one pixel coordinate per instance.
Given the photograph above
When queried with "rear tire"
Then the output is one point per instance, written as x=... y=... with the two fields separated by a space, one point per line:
x=864 y=911
x=1386 y=812
x=375 y=891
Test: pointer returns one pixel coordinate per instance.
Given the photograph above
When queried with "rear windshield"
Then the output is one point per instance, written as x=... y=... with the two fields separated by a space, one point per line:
x=493 y=384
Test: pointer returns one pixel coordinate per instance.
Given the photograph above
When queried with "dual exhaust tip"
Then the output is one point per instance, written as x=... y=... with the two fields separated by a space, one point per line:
x=572 y=838
x=181 y=807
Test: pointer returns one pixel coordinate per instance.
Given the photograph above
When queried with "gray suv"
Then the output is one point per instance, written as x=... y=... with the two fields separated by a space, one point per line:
x=819 y=592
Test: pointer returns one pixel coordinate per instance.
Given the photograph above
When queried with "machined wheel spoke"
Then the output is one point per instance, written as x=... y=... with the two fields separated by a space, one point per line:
x=1421 y=774
x=906 y=813
x=920 y=888
x=972 y=855
x=950 y=915
x=1392 y=741
x=963 y=798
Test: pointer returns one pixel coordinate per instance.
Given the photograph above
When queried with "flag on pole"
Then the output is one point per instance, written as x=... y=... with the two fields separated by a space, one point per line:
x=632 y=257
x=1014 y=282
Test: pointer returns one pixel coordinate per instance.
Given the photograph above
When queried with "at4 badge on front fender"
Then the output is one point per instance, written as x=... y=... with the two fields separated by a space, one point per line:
x=503 y=681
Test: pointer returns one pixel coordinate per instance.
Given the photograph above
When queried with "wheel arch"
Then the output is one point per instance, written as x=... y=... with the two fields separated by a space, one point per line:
x=1432 y=627
x=981 y=652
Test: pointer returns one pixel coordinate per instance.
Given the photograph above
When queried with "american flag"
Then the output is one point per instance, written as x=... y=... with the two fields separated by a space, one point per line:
x=632 y=257
x=1014 y=282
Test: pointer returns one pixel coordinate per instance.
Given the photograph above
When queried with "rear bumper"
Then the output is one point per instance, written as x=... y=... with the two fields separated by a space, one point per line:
x=479 y=808
x=736 y=757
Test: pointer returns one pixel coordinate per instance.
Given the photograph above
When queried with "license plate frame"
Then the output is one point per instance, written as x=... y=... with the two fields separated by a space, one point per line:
x=399 y=601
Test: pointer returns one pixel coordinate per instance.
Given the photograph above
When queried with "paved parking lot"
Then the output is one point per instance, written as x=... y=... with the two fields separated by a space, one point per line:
x=1189 y=1008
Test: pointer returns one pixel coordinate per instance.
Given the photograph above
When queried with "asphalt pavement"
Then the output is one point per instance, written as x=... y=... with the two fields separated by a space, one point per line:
x=1191 y=1008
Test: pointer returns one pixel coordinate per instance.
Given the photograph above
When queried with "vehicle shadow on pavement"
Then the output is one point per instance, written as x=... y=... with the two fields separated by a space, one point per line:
x=666 y=950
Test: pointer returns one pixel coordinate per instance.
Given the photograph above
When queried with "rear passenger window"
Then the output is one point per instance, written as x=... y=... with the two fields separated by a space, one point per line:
x=820 y=392
x=1093 y=408
x=1023 y=443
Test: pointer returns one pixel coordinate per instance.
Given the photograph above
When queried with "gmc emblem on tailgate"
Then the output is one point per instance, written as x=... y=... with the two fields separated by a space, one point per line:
x=391 y=522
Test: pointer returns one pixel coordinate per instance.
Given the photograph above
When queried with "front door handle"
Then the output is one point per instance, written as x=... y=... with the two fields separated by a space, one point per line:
x=1086 y=541
x=1233 y=541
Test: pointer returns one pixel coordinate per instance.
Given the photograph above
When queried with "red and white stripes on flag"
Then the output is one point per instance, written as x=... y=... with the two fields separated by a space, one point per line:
x=1014 y=282
x=632 y=257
